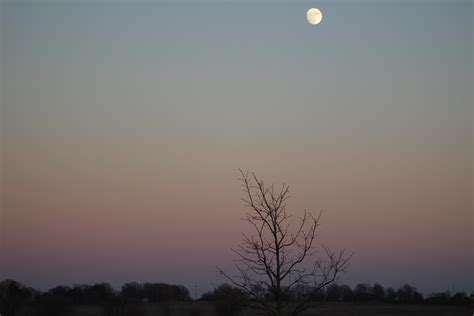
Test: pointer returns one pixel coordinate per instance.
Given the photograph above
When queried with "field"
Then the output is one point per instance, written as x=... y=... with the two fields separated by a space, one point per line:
x=346 y=309
x=329 y=309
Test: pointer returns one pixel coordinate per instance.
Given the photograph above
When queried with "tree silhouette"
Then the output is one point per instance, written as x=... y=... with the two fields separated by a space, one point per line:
x=362 y=292
x=227 y=300
x=409 y=294
x=13 y=295
x=390 y=295
x=278 y=256
x=378 y=292
x=333 y=292
x=346 y=293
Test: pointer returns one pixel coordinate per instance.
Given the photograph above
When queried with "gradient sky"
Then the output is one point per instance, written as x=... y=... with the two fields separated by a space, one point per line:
x=124 y=124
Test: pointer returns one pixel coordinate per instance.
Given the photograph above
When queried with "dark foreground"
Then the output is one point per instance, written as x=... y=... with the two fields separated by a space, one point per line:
x=328 y=309
x=343 y=309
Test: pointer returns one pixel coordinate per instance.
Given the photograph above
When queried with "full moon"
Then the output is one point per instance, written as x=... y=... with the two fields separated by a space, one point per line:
x=314 y=16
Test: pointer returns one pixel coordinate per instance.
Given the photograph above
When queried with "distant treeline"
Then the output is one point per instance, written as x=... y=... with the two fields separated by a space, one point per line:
x=361 y=293
x=131 y=297
x=57 y=301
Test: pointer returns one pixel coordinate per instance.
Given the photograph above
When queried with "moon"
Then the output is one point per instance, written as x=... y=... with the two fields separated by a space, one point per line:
x=314 y=16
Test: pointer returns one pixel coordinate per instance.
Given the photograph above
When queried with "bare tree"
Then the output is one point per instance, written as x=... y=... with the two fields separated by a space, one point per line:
x=279 y=256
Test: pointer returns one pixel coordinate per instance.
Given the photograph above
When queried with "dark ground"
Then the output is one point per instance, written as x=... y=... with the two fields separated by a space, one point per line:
x=328 y=309
x=343 y=309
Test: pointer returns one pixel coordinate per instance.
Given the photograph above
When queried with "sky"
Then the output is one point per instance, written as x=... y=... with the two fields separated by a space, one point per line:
x=124 y=125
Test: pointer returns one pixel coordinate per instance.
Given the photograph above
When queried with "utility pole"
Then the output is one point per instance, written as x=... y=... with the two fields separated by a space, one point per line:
x=195 y=291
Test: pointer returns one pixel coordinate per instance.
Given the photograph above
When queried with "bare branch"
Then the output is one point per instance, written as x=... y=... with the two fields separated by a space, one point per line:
x=278 y=253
